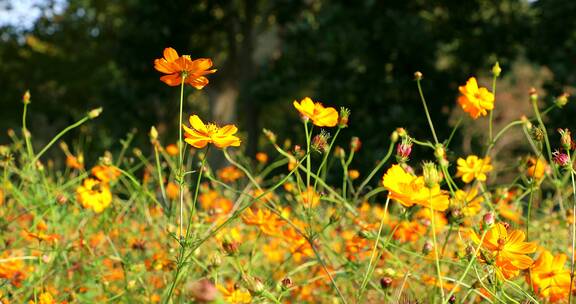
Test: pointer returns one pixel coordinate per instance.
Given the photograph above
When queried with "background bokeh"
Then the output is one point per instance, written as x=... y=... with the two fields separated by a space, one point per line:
x=74 y=55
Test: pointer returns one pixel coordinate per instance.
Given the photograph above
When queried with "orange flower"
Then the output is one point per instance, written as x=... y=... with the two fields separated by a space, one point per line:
x=262 y=157
x=320 y=116
x=201 y=135
x=74 y=162
x=408 y=231
x=508 y=250
x=12 y=269
x=423 y=216
x=1 y=197
x=310 y=198
x=267 y=221
x=410 y=190
x=229 y=174
x=106 y=173
x=172 y=190
x=234 y=296
x=549 y=277
x=172 y=149
x=474 y=100
x=182 y=68
x=216 y=204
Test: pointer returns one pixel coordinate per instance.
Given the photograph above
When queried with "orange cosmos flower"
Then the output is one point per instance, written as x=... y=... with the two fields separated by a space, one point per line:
x=508 y=250
x=172 y=190
x=309 y=198
x=474 y=100
x=410 y=190
x=234 y=296
x=229 y=174
x=536 y=167
x=262 y=157
x=13 y=269
x=473 y=168
x=172 y=149
x=320 y=116
x=408 y=231
x=201 y=134
x=180 y=68
x=94 y=194
x=549 y=277
x=106 y=173
x=267 y=221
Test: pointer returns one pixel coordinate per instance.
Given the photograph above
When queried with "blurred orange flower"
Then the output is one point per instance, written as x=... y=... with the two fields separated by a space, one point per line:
x=172 y=149
x=229 y=174
x=473 y=168
x=410 y=190
x=262 y=157
x=474 y=100
x=201 y=134
x=106 y=173
x=536 y=167
x=172 y=190
x=320 y=116
x=182 y=67
x=267 y=221
x=549 y=277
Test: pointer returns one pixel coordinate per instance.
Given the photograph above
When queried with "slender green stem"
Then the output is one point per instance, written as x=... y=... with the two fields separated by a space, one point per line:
x=426 y=111
x=181 y=157
x=58 y=136
x=571 y=168
x=435 y=243
x=373 y=172
x=26 y=133
x=308 y=160
x=373 y=255
x=160 y=178
x=491 y=120
x=326 y=154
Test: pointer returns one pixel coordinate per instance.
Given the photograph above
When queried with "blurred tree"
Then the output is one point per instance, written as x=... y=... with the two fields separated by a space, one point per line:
x=360 y=55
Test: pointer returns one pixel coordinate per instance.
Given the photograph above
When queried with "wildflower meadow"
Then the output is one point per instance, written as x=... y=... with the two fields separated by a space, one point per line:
x=296 y=223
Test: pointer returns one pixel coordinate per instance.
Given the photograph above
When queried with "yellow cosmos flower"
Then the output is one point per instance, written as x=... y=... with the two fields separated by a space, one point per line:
x=549 y=277
x=469 y=202
x=474 y=100
x=234 y=296
x=94 y=194
x=410 y=190
x=267 y=221
x=536 y=167
x=473 y=168
x=508 y=250
x=202 y=134
x=320 y=116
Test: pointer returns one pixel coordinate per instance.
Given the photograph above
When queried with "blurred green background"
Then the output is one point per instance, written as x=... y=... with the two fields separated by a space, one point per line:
x=74 y=55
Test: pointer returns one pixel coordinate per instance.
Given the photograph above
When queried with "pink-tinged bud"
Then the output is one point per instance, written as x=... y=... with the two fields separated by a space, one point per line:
x=561 y=159
x=565 y=138
x=203 y=291
x=286 y=283
x=355 y=144
x=386 y=282
x=403 y=150
x=427 y=247
x=489 y=219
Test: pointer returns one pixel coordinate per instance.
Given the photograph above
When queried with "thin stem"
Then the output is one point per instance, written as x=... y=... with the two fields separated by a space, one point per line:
x=370 y=270
x=491 y=120
x=426 y=111
x=374 y=171
x=181 y=157
x=573 y=227
x=26 y=133
x=58 y=136
x=436 y=257
x=160 y=178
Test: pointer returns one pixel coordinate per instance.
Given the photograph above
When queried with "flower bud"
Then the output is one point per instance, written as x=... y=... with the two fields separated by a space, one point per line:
x=418 y=75
x=562 y=100
x=270 y=135
x=537 y=134
x=533 y=95
x=286 y=283
x=253 y=284
x=452 y=299
x=339 y=152
x=386 y=282
x=561 y=159
x=343 y=117
x=489 y=219
x=320 y=142
x=427 y=247
x=355 y=144
x=439 y=152
x=26 y=97
x=394 y=136
x=153 y=134
x=203 y=291
x=565 y=138
x=431 y=175
x=403 y=150
x=94 y=113
x=496 y=70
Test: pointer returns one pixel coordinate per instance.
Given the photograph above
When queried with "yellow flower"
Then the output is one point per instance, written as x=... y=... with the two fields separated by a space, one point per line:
x=44 y=298
x=310 y=198
x=410 y=190
x=508 y=249
x=200 y=134
x=235 y=296
x=469 y=202
x=106 y=173
x=94 y=194
x=267 y=221
x=473 y=168
x=549 y=277
x=474 y=100
x=320 y=116
x=536 y=167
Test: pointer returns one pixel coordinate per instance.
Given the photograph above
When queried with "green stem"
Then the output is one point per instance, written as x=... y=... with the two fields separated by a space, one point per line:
x=571 y=168
x=181 y=157
x=426 y=111
x=58 y=136
x=436 y=257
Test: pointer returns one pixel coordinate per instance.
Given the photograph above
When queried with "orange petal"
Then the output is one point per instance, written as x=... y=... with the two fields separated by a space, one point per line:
x=170 y=54
x=172 y=79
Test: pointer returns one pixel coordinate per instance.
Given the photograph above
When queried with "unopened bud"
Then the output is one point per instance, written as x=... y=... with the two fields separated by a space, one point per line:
x=203 y=291
x=320 y=142
x=386 y=282
x=26 y=97
x=253 y=284
x=153 y=134
x=489 y=219
x=94 y=113
x=270 y=135
x=418 y=75
x=343 y=117
x=431 y=175
x=339 y=152
x=394 y=137
x=533 y=94
x=286 y=283
x=537 y=134
x=561 y=159
x=355 y=144
x=496 y=70
x=403 y=150
x=562 y=100
x=427 y=247
x=565 y=138
x=439 y=152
